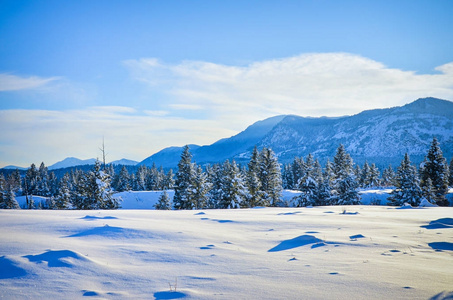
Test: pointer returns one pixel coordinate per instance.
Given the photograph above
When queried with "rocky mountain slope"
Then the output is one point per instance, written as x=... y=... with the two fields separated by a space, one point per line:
x=381 y=136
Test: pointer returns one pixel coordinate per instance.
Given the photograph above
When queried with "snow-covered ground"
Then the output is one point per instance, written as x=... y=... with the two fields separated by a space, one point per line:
x=350 y=252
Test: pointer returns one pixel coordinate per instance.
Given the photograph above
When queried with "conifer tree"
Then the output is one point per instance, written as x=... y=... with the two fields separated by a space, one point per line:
x=270 y=177
x=164 y=202
x=140 y=178
x=30 y=180
x=407 y=185
x=450 y=178
x=42 y=184
x=123 y=180
x=215 y=174
x=435 y=167
x=345 y=184
x=287 y=177
x=232 y=186
x=183 y=181
x=388 y=177
x=8 y=199
x=168 y=181
x=428 y=191
x=198 y=189
x=254 y=196
x=63 y=197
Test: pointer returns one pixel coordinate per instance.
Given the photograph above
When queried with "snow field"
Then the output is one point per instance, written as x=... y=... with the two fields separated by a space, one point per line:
x=351 y=252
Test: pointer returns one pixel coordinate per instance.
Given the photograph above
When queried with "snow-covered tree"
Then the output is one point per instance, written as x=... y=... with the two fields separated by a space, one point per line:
x=388 y=177
x=122 y=182
x=94 y=191
x=344 y=188
x=183 y=181
x=30 y=180
x=168 y=181
x=164 y=202
x=215 y=175
x=435 y=167
x=232 y=186
x=450 y=178
x=42 y=184
x=270 y=177
x=198 y=189
x=254 y=196
x=63 y=197
x=140 y=178
x=407 y=185
x=8 y=199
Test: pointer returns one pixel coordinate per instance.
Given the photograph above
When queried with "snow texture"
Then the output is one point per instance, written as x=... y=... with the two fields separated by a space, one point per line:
x=270 y=253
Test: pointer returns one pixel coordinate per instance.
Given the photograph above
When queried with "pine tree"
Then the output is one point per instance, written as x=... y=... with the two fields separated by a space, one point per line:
x=168 y=181
x=374 y=176
x=63 y=197
x=435 y=167
x=428 y=191
x=140 y=178
x=123 y=179
x=183 y=181
x=30 y=181
x=270 y=177
x=254 y=196
x=232 y=186
x=388 y=177
x=215 y=174
x=198 y=189
x=287 y=177
x=407 y=185
x=98 y=193
x=365 y=176
x=164 y=202
x=450 y=178
x=308 y=184
x=42 y=184
x=345 y=185
x=8 y=199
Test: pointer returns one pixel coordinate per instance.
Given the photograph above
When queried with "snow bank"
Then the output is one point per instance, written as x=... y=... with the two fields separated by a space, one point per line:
x=141 y=199
x=375 y=196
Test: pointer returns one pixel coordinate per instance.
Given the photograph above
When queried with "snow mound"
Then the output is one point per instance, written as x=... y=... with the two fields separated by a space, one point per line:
x=141 y=199
x=58 y=258
x=426 y=203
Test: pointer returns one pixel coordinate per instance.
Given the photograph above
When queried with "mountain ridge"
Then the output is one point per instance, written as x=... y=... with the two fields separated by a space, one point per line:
x=378 y=135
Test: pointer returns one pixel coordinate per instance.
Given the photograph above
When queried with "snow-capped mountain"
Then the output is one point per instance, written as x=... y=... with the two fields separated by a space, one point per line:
x=124 y=162
x=381 y=136
x=71 y=162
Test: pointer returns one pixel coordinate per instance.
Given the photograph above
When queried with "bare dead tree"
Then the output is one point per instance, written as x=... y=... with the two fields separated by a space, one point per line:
x=104 y=154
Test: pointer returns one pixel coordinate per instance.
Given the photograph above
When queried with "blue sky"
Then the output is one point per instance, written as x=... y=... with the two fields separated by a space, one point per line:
x=152 y=74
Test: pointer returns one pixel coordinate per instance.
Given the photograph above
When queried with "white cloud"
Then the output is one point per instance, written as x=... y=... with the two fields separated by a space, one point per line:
x=330 y=84
x=10 y=82
x=44 y=135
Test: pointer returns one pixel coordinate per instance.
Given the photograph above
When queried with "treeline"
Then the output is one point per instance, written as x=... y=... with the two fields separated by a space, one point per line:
x=228 y=185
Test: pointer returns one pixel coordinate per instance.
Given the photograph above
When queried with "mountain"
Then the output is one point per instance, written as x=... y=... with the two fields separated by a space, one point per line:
x=220 y=150
x=381 y=136
x=124 y=162
x=14 y=168
x=71 y=162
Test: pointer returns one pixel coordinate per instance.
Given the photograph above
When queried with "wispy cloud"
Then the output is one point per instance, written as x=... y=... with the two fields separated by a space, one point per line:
x=44 y=135
x=10 y=82
x=328 y=84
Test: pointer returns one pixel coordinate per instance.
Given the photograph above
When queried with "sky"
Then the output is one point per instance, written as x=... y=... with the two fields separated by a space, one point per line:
x=146 y=75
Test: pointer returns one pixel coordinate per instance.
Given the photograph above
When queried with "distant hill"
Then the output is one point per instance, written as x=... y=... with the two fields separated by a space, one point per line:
x=71 y=162
x=381 y=136
x=124 y=162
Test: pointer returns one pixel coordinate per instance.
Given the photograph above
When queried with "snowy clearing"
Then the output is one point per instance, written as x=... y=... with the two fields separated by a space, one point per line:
x=351 y=252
